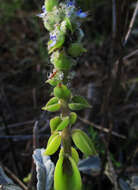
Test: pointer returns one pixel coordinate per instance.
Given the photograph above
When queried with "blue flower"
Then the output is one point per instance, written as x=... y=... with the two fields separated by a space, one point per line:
x=44 y=12
x=54 y=39
x=70 y=3
x=81 y=14
x=43 y=8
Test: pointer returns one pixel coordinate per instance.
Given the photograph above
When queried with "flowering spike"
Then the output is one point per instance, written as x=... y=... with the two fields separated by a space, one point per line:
x=63 y=22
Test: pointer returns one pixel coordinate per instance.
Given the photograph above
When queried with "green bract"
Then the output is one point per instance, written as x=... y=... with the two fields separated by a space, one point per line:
x=50 y=4
x=60 y=38
x=53 y=81
x=54 y=123
x=78 y=103
x=52 y=18
x=61 y=61
x=73 y=118
x=74 y=154
x=63 y=124
x=70 y=180
x=52 y=105
x=53 y=144
x=61 y=91
x=66 y=25
x=83 y=142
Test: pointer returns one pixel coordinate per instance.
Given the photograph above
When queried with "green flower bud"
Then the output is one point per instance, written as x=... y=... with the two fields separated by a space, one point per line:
x=76 y=49
x=61 y=91
x=50 y=4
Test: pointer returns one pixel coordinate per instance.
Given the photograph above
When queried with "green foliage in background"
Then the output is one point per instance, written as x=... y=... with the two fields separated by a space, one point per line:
x=9 y=9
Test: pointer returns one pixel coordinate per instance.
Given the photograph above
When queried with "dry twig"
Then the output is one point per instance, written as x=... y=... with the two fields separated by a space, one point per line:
x=14 y=177
x=105 y=130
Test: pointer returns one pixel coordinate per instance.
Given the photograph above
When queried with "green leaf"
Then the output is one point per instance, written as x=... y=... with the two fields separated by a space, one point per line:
x=63 y=180
x=83 y=142
x=53 y=144
x=78 y=103
x=54 y=123
x=52 y=105
x=69 y=25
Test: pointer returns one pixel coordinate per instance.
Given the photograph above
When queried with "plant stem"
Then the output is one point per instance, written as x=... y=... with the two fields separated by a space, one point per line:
x=66 y=140
x=66 y=134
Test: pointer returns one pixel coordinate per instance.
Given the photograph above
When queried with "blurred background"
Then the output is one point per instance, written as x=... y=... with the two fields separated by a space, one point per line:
x=25 y=65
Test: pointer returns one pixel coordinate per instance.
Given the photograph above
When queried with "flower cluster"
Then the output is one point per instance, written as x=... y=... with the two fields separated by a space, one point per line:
x=63 y=21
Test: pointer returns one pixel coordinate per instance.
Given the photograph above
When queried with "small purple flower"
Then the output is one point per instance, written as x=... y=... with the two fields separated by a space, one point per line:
x=44 y=12
x=70 y=3
x=81 y=14
x=43 y=8
x=53 y=38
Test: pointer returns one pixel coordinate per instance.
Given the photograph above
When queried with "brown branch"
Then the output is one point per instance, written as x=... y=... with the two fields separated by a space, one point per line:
x=131 y=23
x=101 y=128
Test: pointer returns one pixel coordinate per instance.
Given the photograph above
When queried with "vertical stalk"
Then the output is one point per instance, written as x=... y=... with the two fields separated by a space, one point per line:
x=66 y=140
x=66 y=133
